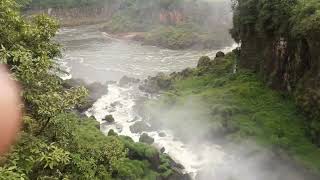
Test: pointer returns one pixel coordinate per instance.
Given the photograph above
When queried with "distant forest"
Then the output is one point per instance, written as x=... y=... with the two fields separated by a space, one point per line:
x=79 y=3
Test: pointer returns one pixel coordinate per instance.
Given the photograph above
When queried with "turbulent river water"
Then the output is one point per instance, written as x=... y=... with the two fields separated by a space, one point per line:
x=95 y=56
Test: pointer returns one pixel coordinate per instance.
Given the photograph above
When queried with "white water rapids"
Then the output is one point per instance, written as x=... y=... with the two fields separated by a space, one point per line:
x=95 y=56
x=125 y=117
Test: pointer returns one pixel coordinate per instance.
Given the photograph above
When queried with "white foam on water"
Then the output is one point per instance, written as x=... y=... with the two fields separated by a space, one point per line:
x=64 y=66
x=186 y=154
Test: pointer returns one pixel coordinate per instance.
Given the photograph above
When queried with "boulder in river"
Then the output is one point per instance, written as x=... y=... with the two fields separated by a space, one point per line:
x=139 y=127
x=162 y=134
x=111 y=82
x=220 y=54
x=186 y=73
x=177 y=171
x=157 y=83
x=109 y=118
x=87 y=104
x=95 y=90
x=179 y=175
x=145 y=138
x=116 y=103
x=125 y=80
x=162 y=150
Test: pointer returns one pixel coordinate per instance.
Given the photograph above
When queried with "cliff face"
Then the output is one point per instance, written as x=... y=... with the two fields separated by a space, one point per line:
x=287 y=61
x=288 y=65
x=77 y=16
x=171 y=17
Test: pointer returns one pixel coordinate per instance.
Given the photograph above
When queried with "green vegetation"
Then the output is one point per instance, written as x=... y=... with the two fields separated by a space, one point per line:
x=277 y=18
x=280 y=42
x=178 y=37
x=201 y=24
x=54 y=142
x=80 y=3
x=173 y=24
x=237 y=107
x=66 y=3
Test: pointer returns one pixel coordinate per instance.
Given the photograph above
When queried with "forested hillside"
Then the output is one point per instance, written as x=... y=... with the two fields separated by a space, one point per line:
x=54 y=142
x=280 y=41
x=266 y=90
x=174 y=24
x=67 y=3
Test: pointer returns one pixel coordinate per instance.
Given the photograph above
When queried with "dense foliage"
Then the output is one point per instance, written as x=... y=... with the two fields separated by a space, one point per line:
x=55 y=143
x=175 y=24
x=280 y=42
x=209 y=20
x=79 y=3
x=236 y=107
x=281 y=18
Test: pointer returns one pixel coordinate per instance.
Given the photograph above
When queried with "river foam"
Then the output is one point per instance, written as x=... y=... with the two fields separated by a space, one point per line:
x=120 y=101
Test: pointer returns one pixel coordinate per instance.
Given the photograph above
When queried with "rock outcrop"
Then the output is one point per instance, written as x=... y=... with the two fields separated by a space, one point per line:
x=145 y=138
x=286 y=56
x=109 y=119
x=157 y=83
x=125 y=80
x=220 y=54
x=95 y=90
x=139 y=127
x=204 y=61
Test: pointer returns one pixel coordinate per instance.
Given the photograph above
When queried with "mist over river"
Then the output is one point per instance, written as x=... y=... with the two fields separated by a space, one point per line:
x=93 y=56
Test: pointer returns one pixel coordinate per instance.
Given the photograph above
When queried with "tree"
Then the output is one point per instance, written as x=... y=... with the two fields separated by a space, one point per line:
x=27 y=49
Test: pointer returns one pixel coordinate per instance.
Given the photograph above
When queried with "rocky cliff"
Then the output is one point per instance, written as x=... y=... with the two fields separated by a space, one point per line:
x=78 y=15
x=276 y=44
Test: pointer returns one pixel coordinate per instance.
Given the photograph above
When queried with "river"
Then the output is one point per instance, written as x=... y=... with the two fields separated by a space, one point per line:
x=95 y=56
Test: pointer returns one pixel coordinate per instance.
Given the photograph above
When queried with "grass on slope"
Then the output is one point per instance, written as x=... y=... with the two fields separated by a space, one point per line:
x=246 y=109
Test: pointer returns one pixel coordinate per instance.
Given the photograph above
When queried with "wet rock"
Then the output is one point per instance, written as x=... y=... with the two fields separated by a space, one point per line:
x=111 y=109
x=109 y=119
x=119 y=127
x=174 y=75
x=154 y=160
x=186 y=73
x=163 y=81
x=157 y=83
x=145 y=138
x=111 y=82
x=178 y=175
x=95 y=90
x=162 y=134
x=87 y=104
x=174 y=164
x=139 y=127
x=114 y=104
x=125 y=80
x=180 y=166
x=204 y=61
x=220 y=54
x=162 y=150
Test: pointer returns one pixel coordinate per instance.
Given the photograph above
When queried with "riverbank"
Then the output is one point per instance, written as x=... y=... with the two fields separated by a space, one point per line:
x=183 y=36
x=216 y=103
x=170 y=24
